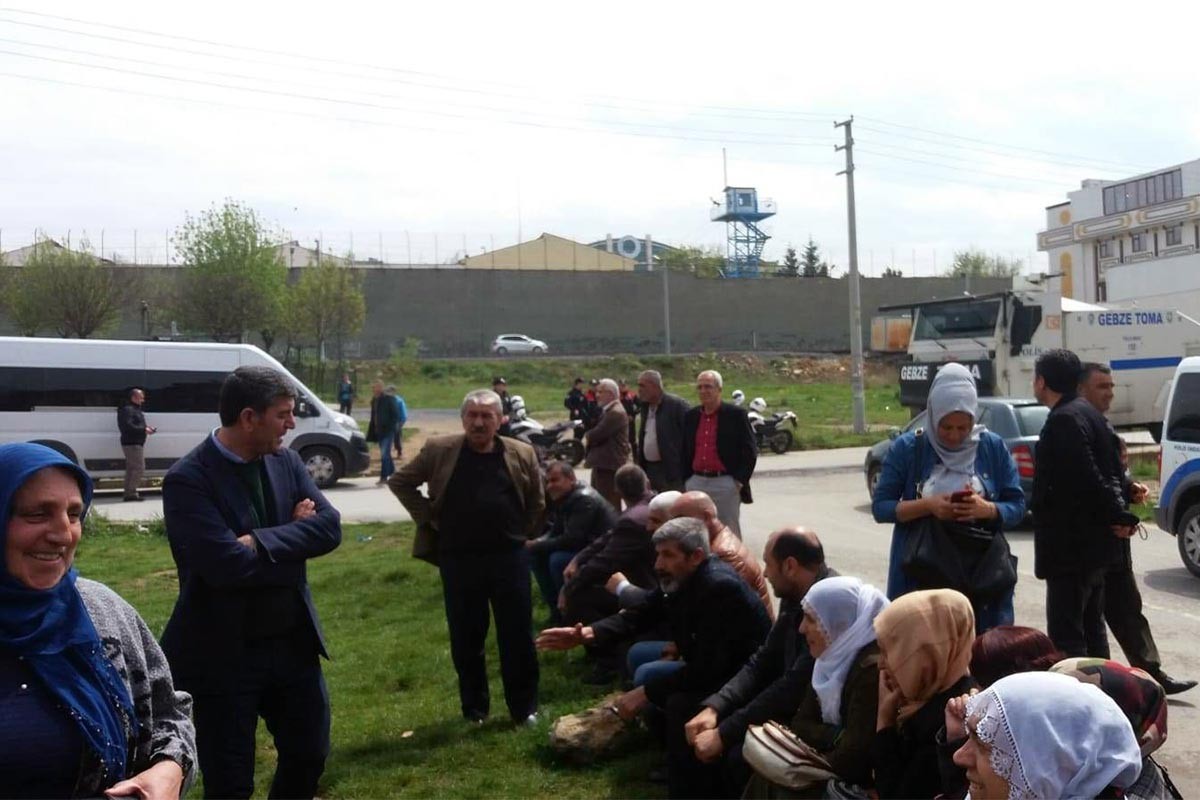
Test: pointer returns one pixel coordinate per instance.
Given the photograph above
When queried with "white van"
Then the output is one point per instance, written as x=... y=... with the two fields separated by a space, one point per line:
x=64 y=393
x=1179 y=469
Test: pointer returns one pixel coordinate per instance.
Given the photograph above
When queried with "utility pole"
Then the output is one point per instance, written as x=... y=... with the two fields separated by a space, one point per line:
x=858 y=395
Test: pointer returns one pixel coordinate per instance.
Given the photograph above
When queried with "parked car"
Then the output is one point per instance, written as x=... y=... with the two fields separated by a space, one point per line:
x=507 y=343
x=1018 y=421
x=1178 y=510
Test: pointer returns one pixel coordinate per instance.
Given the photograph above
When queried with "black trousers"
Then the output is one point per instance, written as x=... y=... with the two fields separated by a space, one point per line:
x=687 y=776
x=280 y=680
x=1131 y=629
x=470 y=583
x=1075 y=613
x=657 y=473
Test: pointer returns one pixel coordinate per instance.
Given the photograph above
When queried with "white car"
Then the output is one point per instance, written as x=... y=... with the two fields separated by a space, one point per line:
x=507 y=343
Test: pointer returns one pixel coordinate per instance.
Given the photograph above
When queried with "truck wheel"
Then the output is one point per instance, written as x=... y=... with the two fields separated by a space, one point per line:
x=1188 y=539
x=1155 y=429
x=781 y=442
x=324 y=465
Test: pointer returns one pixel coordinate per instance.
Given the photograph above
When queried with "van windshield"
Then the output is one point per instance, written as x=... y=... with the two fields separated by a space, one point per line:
x=1183 y=425
x=969 y=319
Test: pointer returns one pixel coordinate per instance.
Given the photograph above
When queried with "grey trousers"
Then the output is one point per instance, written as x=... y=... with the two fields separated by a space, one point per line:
x=724 y=494
x=135 y=466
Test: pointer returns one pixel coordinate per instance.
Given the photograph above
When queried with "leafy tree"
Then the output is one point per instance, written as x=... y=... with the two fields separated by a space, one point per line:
x=892 y=272
x=790 y=267
x=704 y=262
x=70 y=292
x=978 y=264
x=811 y=265
x=327 y=305
x=233 y=277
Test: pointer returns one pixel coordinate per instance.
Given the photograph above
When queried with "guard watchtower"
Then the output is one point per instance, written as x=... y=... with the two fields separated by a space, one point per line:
x=741 y=211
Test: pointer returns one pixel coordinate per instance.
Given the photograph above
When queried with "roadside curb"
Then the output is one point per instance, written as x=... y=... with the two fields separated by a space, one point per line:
x=795 y=472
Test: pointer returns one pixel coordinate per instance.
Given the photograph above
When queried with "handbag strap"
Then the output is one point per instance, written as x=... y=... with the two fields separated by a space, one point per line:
x=915 y=466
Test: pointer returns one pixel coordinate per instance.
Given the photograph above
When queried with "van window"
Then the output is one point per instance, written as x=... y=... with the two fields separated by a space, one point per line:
x=1184 y=422
x=27 y=388
x=180 y=392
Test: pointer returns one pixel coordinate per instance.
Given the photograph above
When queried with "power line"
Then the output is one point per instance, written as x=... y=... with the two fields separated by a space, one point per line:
x=964 y=159
x=962 y=169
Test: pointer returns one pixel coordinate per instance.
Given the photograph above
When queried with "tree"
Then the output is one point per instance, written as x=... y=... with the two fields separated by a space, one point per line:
x=811 y=265
x=704 y=262
x=791 y=265
x=68 y=291
x=233 y=278
x=327 y=305
x=892 y=272
x=978 y=264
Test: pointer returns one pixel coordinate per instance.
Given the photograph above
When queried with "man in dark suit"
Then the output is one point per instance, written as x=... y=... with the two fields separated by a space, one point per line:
x=607 y=442
x=483 y=501
x=660 y=434
x=1122 y=599
x=243 y=517
x=1079 y=515
x=719 y=453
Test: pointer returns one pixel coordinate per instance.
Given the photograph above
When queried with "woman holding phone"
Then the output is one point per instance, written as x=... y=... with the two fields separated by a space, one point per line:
x=956 y=471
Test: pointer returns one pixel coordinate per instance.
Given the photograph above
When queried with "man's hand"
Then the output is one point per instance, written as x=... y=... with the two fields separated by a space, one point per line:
x=162 y=781
x=614 y=581
x=562 y=601
x=706 y=720
x=571 y=569
x=564 y=638
x=150 y=429
x=670 y=652
x=247 y=541
x=631 y=703
x=708 y=747
x=1138 y=492
x=1123 y=531
x=304 y=509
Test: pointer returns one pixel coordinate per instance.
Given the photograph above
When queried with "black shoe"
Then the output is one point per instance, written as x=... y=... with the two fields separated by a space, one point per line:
x=137 y=499
x=475 y=718
x=1171 y=685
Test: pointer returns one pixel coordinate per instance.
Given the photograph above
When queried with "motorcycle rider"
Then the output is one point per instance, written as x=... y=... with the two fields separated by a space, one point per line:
x=757 y=412
x=738 y=397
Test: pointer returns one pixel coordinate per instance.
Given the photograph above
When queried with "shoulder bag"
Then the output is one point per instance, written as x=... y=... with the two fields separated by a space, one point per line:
x=783 y=758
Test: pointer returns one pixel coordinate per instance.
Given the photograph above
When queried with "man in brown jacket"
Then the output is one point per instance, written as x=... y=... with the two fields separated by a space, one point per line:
x=484 y=500
x=724 y=544
x=608 y=443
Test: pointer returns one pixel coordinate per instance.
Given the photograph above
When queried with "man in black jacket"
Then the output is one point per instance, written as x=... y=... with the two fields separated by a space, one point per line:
x=1122 y=599
x=715 y=619
x=659 y=440
x=576 y=405
x=772 y=682
x=1079 y=515
x=719 y=453
x=131 y=422
x=577 y=516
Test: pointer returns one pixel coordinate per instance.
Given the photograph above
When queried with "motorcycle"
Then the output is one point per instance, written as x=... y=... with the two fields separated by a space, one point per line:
x=771 y=433
x=547 y=442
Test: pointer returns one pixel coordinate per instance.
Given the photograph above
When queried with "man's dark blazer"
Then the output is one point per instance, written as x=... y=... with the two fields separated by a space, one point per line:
x=626 y=549
x=668 y=423
x=1077 y=492
x=735 y=444
x=207 y=506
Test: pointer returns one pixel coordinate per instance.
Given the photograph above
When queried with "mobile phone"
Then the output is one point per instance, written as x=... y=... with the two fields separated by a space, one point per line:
x=960 y=497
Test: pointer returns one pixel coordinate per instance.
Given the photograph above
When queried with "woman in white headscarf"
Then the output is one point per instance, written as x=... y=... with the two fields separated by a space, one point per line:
x=1039 y=734
x=837 y=716
x=957 y=471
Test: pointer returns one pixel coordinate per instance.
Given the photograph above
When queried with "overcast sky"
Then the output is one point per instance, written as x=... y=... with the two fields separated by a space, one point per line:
x=464 y=123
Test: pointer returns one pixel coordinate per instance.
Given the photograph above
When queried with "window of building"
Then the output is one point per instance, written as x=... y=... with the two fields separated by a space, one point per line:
x=1106 y=248
x=1138 y=242
x=1155 y=189
x=1175 y=235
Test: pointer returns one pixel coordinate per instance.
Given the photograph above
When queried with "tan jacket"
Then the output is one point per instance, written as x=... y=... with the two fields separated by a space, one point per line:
x=608 y=442
x=733 y=551
x=435 y=464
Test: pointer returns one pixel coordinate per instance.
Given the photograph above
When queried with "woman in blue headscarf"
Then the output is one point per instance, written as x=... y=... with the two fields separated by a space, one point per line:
x=87 y=705
x=957 y=471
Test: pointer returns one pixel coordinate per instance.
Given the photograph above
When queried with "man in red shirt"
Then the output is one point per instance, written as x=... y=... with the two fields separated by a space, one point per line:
x=719 y=453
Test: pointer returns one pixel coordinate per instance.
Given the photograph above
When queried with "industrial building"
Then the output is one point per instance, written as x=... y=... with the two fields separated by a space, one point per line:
x=550 y=252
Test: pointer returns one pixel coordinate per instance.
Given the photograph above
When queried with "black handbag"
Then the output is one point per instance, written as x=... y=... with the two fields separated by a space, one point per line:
x=970 y=559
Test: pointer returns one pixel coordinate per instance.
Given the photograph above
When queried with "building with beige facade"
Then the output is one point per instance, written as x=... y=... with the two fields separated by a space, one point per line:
x=550 y=252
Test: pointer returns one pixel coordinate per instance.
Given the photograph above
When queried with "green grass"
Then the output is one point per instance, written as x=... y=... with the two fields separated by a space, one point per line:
x=391 y=675
x=823 y=409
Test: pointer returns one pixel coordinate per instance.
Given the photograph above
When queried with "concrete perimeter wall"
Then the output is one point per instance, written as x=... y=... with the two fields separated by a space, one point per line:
x=459 y=312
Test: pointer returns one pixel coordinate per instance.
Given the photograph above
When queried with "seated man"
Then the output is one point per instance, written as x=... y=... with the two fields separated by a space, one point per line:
x=711 y=613
x=772 y=683
x=626 y=549
x=724 y=543
x=576 y=516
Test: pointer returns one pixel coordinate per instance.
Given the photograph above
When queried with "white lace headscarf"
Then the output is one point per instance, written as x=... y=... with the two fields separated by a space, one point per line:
x=845 y=608
x=1052 y=736
x=953 y=389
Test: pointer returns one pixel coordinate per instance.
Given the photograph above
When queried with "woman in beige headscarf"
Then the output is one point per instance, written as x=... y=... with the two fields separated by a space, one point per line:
x=924 y=659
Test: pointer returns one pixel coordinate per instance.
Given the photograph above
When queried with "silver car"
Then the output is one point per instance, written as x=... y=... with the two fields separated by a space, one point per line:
x=507 y=343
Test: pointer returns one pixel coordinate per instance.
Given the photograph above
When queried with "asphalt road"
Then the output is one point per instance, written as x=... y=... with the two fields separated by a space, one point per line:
x=825 y=490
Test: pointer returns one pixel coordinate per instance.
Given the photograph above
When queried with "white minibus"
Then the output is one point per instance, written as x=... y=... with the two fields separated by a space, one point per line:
x=64 y=393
